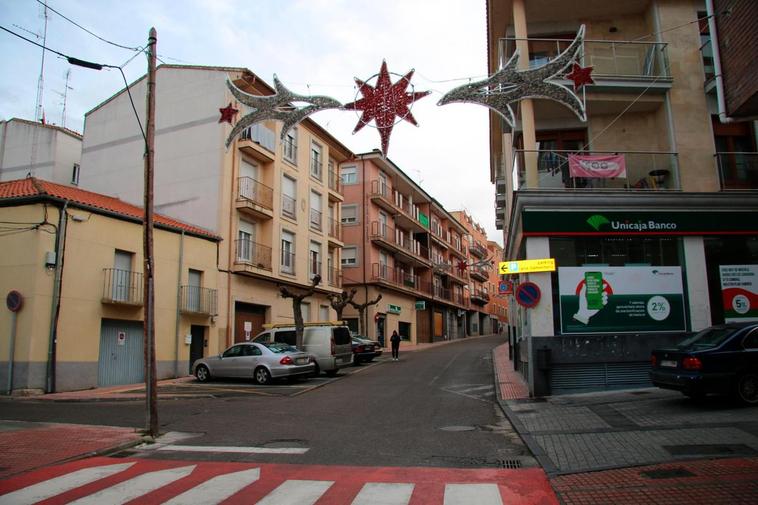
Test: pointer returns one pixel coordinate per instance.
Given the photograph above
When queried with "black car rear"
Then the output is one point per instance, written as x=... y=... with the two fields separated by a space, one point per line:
x=722 y=359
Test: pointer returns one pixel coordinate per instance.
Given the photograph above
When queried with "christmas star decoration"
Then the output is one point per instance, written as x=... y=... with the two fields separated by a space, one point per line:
x=462 y=267
x=384 y=103
x=580 y=75
x=279 y=106
x=510 y=85
x=227 y=114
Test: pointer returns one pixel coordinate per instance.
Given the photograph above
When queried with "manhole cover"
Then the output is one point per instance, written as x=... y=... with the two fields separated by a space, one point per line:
x=458 y=428
x=667 y=473
x=710 y=450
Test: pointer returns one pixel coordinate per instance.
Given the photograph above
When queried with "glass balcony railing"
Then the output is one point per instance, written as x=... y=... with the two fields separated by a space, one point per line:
x=643 y=171
x=608 y=58
x=738 y=170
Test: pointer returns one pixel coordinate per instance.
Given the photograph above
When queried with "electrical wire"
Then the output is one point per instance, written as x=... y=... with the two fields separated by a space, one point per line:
x=86 y=30
x=87 y=64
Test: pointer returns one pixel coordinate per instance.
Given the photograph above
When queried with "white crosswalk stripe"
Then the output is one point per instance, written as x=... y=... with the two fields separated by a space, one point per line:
x=217 y=489
x=466 y=494
x=58 y=485
x=136 y=487
x=297 y=492
x=378 y=493
x=477 y=388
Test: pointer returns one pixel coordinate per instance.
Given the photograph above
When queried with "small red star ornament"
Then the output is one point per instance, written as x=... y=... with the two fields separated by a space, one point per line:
x=227 y=114
x=384 y=103
x=462 y=266
x=580 y=75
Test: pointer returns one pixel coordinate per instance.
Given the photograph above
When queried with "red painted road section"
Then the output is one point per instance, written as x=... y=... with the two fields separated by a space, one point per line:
x=517 y=487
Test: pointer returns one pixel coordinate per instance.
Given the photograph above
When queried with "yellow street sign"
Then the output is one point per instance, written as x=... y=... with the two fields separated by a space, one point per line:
x=526 y=266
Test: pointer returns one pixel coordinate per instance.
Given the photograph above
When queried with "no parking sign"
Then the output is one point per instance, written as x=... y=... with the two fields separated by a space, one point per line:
x=528 y=294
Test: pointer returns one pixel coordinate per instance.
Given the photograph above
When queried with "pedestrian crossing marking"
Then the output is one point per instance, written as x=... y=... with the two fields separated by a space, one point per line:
x=58 y=485
x=217 y=489
x=379 y=493
x=466 y=494
x=297 y=492
x=135 y=487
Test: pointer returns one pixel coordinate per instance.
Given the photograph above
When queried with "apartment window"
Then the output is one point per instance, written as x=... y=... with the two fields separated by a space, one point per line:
x=194 y=282
x=305 y=310
x=245 y=241
x=349 y=175
x=316 y=160
x=289 y=197
x=314 y=260
x=349 y=214
x=349 y=256
x=323 y=313
x=289 y=146
x=288 y=253
x=75 y=175
x=315 y=214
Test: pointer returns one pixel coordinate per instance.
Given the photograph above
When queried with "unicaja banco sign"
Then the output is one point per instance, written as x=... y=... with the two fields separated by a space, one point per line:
x=600 y=222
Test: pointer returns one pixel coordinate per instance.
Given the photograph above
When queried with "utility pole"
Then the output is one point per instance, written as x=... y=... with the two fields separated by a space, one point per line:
x=151 y=395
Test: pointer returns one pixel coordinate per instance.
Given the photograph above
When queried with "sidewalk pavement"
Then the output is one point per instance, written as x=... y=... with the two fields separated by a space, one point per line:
x=635 y=446
x=27 y=446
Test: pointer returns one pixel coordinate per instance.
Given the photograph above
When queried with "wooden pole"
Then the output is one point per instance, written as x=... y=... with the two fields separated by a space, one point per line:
x=151 y=396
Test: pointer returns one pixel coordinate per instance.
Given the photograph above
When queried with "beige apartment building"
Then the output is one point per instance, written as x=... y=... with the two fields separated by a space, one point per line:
x=401 y=243
x=71 y=272
x=275 y=203
x=660 y=239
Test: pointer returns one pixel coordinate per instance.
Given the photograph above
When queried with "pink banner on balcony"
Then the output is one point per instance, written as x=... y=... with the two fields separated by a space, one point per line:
x=598 y=166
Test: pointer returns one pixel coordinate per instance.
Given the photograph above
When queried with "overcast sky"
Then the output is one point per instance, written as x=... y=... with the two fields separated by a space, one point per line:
x=314 y=47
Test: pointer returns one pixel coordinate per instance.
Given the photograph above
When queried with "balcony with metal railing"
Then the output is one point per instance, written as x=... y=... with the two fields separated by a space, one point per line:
x=399 y=242
x=335 y=182
x=122 y=287
x=255 y=198
x=335 y=230
x=251 y=256
x=626 y=170
x=479 y=273
x=381 y=194
x=334 y=277
x=479 y=297
x=198 y=300
x=738 y=171
x=397 y=277
x=259 y=142
x=614 y=62
x=477 y=249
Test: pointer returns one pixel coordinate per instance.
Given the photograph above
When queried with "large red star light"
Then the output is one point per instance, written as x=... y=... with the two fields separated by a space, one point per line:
x=580 y=75
x=227 y=114
x=384 y=103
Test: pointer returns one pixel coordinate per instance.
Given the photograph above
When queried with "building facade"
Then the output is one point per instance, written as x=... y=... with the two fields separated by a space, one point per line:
x=49 y=152
x=74 y=260
x=401 y=243
x=498 y=306
x=649 y=255
x=276 y=203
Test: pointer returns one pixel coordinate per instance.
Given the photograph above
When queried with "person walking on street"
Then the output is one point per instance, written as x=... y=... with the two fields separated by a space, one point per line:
x=395 y=340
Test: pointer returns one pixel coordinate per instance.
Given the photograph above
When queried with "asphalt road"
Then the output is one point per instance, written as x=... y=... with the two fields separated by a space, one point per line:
x=435 y=407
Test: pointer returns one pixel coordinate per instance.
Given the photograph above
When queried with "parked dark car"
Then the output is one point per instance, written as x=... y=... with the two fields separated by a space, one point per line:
x=365 y=350
x=722 y=359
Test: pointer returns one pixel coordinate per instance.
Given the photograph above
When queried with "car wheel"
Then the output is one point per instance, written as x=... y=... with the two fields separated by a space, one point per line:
x=262 y=376
x=747 y=388
x=316 y=371
x=202 y=373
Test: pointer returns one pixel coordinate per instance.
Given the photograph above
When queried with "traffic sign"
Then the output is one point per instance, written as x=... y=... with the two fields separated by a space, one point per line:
x=528 y=294
x=504 y=287
x=526 y=266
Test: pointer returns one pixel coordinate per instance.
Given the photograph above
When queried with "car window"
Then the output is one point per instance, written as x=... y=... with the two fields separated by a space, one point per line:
x=263 y=337
x=251 y=350
x=341 y=335
x=751 y=340
x=235 y=350
x=280 y=347
x=707 y=338
x=286 y=337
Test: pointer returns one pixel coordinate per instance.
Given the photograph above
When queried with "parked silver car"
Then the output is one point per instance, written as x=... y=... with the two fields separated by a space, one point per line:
x=260 y=360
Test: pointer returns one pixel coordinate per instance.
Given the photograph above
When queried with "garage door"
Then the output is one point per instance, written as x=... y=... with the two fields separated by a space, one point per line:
x=121 y=353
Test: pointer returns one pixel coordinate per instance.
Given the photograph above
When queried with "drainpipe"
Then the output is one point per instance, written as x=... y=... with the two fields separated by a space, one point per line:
x=717 y=64
x=60 y=241
x=178 y=302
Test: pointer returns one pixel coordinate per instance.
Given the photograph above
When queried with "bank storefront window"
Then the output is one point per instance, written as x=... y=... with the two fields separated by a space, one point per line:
x=615 y=251
x=732 y=268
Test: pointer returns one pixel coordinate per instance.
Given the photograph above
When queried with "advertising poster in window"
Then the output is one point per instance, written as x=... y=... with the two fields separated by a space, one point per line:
x=603 y=299
x=739 y=291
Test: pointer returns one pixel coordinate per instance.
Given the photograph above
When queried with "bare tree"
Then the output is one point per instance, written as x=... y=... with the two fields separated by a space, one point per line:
x=297 y=301
x=340 y=301
x=361 y=308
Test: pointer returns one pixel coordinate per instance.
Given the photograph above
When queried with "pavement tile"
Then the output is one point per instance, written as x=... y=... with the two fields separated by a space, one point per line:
x=510 y=383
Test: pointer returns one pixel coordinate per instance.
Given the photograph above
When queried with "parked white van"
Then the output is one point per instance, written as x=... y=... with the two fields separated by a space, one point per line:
x=328 y=342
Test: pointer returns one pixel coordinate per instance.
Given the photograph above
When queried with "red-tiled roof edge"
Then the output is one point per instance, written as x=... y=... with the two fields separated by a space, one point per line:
x=99 y=203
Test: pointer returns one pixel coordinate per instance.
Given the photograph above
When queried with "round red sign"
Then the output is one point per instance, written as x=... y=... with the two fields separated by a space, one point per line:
x=528 y=294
